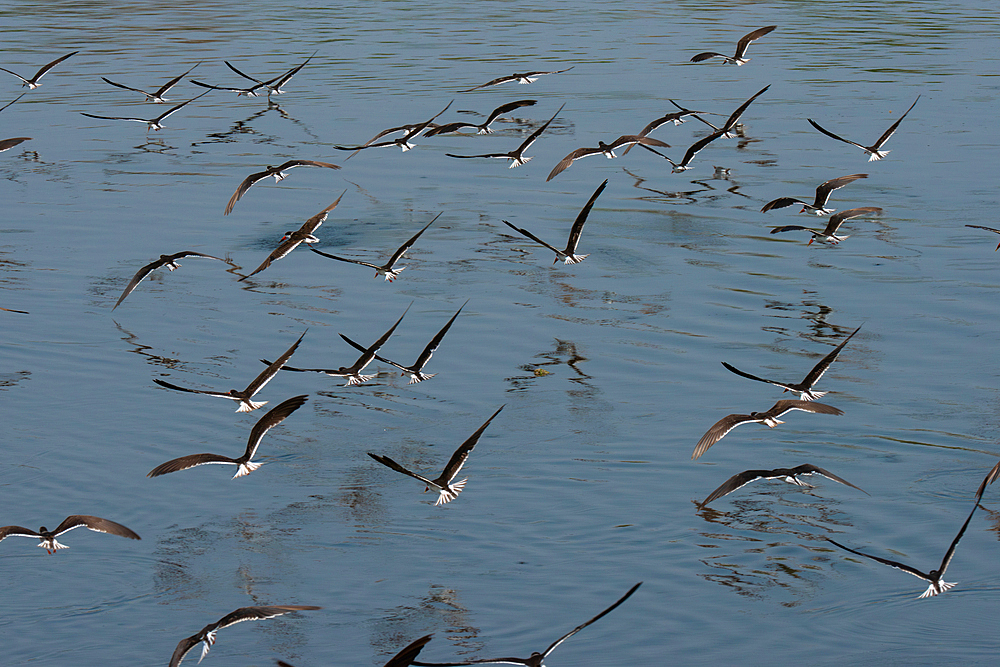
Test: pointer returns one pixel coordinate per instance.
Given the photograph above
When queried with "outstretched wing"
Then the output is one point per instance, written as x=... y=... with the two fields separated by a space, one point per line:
x=598 y=617
x=461 y=454
x=97 y=524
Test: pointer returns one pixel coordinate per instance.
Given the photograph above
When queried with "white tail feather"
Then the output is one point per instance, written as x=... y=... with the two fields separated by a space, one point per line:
x=448 y=495
x=420 y=377
x=575 y=259
x=358 y=379
x=878 y=155
x=246 y=468
x=250 y=406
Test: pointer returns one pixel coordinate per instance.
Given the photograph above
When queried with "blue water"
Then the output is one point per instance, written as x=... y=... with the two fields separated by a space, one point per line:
x=609 y=369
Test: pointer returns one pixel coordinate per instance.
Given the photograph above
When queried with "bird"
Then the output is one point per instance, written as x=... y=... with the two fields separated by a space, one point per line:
x=206 y=635
x=169 y=261
x=32 y=83
x=277 y=172
x=158 y=95
x=386 y=269
x=770 y=418
x=568 y=255
x=829 y=235
x=48 y=537
x=607 y=150
x=692 y=151
x=484 y=127
x=353 y=372
x=873 y=151
x=244 y=397
x=731 y=122
x=823 y=191
x=804 y=388
x=244 y=464
x=516 y=156
x=249 y=92
x=7 y=144
x=536 y=659
x=402 y=659
x=526 y=77
x=675 y=117
x=790 y=475
x=741 y=48
x=291 y=240
x=989 y=229
x=404 y=141
x=416 y=371
x=151 y=123
x=277 y=81
x=447 y=488
x=935 y=577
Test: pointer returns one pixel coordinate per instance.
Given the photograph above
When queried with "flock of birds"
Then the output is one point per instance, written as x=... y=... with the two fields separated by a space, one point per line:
x=445 y=484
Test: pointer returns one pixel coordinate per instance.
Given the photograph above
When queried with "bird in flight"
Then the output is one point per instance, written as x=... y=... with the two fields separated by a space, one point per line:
x=829 y=234
x=484 y=127
x=823 y=191
x=526 y=77
x=741 y=48
x=769 y=418
x=277 y=172
x=48 y=537
x=607 y=150
x=386 y=269
x=158 y=95
x=151 y=123
x=790 y=475
x=989 y=229
x=169 y=261
x=516 y=156
x=873 y=151
x=568 y=255
x=32 y=83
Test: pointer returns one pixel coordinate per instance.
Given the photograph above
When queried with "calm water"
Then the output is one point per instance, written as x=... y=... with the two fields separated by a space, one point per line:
x=583 y=485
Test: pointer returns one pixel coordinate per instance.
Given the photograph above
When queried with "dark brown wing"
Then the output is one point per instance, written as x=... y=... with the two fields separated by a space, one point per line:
x=18 y=531
x=735 y=117
x=991 y=477
x=273 y=417
x=164 y=259
x=741 y=46
x=413 y=239
x=258 y=614
x=461 y=454
x=564 y=163
x=718 y=430
x=581 y=219
x=782 y=202
x=838 y=219
x=809 y=469
x=273 y=369
x=406 y=657
x=510 y=106
x=888 y=133
x=7 y=144
x=531 y=236
x=824 y=189
x=706 y=55
x=190 y=461
x=55 y=62
x=738 y=481
x=577 y=629
x=494 y=82
x=834 y=136
x=95 y=523
x=781 y=407
x=891 y=563
x=344 y=259
x=817 y=372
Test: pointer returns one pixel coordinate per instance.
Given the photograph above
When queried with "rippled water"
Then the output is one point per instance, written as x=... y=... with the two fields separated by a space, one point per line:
x=609 y=369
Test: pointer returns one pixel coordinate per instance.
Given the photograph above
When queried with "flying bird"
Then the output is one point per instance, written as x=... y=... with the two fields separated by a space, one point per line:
x=404 y=658
x=169 y=261
x=804 y=388
x=244 y=464
x=291 y=240
x=386 y=269
x=244 y=397
x=353 y=372
x=568 y=255
x=404 y=141
x=416 y=371
x=536 y=658
x=790 y=475
x=206 y=635
x=935 y=577
x=151 y=123
x=277 y=172
x=769 y=418
x=741 y=48
x=829 y=235
x=823 y=191
x=675 y=117
x=7 y=144
x=447 y=488
x=516 y=156
x=873 y=150
x=607 y=150
x=989 y=229
x=32 y=83
x=526 y=77
x=158 y=95
x=48 y=537
x=484 y=127
x=734 y=118
x=273 y=85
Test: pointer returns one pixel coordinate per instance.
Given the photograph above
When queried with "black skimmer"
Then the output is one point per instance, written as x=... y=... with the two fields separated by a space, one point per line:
x=607 y=150
x=741 y=48
x=244 y=464
x=829 y=235
x=526 y=77
x=244 y=397
x=447 y=488
x=277 y=172
x=48 y=537
x=790 y=475
x=353 y=372
x=770 y=418
x=989 y=229
x=935 y=577
x=734 y=118
x=291 y=240
x=536 y=659
x=805 y=388
x=404 y=141
x=386 y=269
x=484 y=127
x=416 y=371
x=158 y=95
x=169 y=261
x=151 y=123
x=676 y=117
x=404 y=658
x=873 y=150
x=273 y=85
x=12 y=101
x=7 y=144
x=823 y=191
x=32 y=83
x=206 y=635
x=568 y=255
x=252 y=91
x=516 y=156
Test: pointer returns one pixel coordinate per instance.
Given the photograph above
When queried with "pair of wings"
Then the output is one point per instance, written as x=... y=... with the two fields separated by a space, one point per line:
x=517 y=155
x=575 y=230
x=33 y=81
x=387 y=267
x=153 y=122
x=833 y=224
x=94 y=523
x=155 y=96
x=729 y=422
x=250 y=180
x=823 y=191
x=514 y=77
x=152 y=266
x=483 y=127
x=740 y=480
x=873 y=149
x=741 y=46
